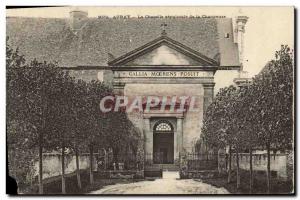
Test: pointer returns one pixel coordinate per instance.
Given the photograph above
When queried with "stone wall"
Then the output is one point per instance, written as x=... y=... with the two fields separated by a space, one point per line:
x=93 y=74
x=52 y=164
x=279 y=163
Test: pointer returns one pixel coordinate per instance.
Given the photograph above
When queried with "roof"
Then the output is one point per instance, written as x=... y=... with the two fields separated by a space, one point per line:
x=164 y=40
x=102 y=39
x=228 y=49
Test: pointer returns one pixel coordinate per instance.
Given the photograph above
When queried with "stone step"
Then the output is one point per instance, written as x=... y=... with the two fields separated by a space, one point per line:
x=171 y=168
x=164 y=167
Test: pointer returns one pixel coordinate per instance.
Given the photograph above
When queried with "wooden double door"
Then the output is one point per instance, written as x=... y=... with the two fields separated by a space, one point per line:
x=163 y=148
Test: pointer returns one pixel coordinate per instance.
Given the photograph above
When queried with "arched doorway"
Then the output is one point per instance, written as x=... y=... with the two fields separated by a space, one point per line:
x=163 y=143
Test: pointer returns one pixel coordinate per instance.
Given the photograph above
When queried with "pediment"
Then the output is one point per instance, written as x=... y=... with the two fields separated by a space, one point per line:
x=163 y=55
x=163 y=51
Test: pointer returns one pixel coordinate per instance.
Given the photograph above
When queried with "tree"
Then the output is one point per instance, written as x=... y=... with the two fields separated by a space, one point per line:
x=78 y=103
x=29 y=88
x=62 y=118
x=17 y=142
x=220 y=128
x=89 y=117
x=274 y=105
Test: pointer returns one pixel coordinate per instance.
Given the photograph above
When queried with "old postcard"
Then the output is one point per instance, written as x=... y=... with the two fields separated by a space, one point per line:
x=150 y=100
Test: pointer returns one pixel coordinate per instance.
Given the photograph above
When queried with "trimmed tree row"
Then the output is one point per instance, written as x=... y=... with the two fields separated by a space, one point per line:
x=48 y=110
x=256 y=116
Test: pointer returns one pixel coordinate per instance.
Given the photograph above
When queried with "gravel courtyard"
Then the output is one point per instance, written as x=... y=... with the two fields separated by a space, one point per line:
x=169 y=184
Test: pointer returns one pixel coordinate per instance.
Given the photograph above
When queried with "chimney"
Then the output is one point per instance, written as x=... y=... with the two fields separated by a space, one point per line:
x=240 y=30
x=77 y=19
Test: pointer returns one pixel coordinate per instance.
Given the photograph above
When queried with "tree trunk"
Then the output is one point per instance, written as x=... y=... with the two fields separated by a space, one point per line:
x=251 y=170
x=206 y=149
x=229 y=167
x=237 y=169
x=268 y=169
x=77 y=168
x=41 y=141
x=105 y=159
x=41 y=165
x=91 y=165
x=116 y=158
x=63 y=179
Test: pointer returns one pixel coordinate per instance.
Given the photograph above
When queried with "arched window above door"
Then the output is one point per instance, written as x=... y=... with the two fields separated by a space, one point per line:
x=163 y=126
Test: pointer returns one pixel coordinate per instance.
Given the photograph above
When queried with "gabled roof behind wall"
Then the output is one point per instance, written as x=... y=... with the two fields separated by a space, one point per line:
x=102 y=40
x=180 y=49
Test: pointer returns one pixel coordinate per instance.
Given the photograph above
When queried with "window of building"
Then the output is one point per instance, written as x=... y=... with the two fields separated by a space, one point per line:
x=163 y=127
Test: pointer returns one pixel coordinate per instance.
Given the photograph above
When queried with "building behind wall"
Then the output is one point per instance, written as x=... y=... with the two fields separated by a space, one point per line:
x=140 y=57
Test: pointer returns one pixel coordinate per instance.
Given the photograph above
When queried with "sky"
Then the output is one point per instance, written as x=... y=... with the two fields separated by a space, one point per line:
x=266 y=30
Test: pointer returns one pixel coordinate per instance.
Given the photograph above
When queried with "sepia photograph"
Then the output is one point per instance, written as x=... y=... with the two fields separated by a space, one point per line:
x=148 y=100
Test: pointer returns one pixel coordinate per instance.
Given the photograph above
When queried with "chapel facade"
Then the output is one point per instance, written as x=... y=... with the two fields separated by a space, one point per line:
x=144 y=57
